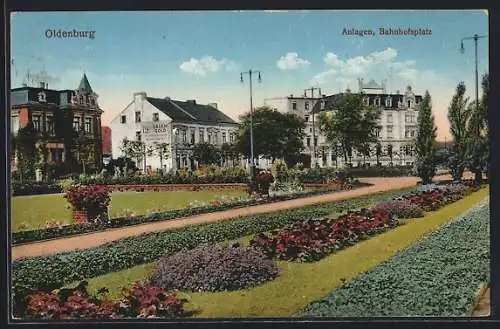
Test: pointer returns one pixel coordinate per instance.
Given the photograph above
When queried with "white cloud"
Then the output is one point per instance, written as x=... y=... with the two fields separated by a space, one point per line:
x=207 y=64
x=291 y=61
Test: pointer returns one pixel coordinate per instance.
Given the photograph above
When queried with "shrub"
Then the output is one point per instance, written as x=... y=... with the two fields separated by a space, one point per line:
x=88 y=197
x=401 y=208
x=437 y=276
x=139 y=301
x=280 y=170
x=261 y=183
x=380 y=171
x=214 y=268
x=34 y=188
x=286 y=188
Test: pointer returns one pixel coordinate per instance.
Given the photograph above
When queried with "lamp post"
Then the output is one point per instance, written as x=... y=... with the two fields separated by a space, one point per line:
x=252 y=157
x=462 y=50
x=313 y=151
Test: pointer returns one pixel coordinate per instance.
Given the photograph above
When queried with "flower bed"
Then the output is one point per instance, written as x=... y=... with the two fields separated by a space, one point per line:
x=438 y=276
x=90 y=203
x=32 y=273
x=214 y=268
x=139 y=301
x=313 y=239
x=60 y=231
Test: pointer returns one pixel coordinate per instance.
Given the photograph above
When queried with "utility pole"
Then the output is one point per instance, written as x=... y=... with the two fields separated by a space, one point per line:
x=462 y=50
x=313 y=152
x=252 y=157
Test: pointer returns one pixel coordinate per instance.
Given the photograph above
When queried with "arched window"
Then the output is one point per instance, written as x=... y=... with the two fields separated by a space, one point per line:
x=388 y=102
x=409 y=103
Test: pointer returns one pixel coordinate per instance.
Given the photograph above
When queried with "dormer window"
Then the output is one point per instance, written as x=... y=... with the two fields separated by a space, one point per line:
x=388 y=102
x=80 y=99
x=42 y=97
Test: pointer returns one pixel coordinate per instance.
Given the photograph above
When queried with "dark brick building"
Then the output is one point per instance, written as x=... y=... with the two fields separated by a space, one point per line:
x=60 y=118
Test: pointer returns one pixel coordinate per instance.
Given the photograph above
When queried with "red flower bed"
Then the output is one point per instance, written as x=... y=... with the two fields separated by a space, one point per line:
x=139 y=301
x=313 y=239
x=435 y=199
x=89 y=202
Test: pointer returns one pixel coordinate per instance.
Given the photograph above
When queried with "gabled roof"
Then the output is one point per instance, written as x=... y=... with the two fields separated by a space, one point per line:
x=85 y=85
x=189 y=111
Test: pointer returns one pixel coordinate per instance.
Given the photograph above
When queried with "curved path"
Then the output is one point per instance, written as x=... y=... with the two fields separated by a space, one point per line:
x=99 y=238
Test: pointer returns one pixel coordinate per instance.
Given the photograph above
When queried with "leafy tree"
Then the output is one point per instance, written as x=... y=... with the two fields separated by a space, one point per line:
x=350 y=124
x=229 y=152
x=134 y=150
x=458 y=115
x=390 y=152
x=206 y=154
x=26 y=152
x=276 y=134
x=121 y=163
x=426 y=141
x=162 y=150
x=378 y=152
x=84 y=148
x=478 y=146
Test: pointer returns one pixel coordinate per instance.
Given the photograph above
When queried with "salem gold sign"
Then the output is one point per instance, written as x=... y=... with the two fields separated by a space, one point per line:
x=156 y=131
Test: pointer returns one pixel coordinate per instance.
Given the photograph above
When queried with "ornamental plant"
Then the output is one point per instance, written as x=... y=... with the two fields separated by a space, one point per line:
x=263 y=181
x=214 y=268
x=401 y=208
x=138 y=301
x=93 y=199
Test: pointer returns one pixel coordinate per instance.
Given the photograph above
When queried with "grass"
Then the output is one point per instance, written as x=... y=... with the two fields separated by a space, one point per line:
x=31 y=212
x=301 y=283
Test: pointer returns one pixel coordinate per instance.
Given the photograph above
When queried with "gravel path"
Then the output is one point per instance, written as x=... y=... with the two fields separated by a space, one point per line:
x=99 y=238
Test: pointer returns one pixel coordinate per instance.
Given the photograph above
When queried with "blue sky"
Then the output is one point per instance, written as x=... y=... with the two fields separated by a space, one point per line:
x=199 y=55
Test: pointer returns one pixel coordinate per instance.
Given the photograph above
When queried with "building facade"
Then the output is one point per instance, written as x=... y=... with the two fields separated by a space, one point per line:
x=398 y=125
x=180 y=124
x=60 y=119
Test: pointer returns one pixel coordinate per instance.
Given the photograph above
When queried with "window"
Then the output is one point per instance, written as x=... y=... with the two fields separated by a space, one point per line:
x=366 y=101
x=224 y=138
x=184 y=136
x=323 y=104
x=209 y=135
x=137 y=116
x=294 y=105
x=377 y=101
x=409 y=104
x=50 y=124
x=202 y=136
x=123 y=119
x=14 y=124
x=388 y=102
x=310 y=130
x=389 y=132
x=308 y=141
x=389 y=118
x=315 y=141
x=192 y=136
x=306 y=118
x=306 y=106
x=231 y=138
x=88 y=125
x=41 y=97
x=156 y=117
x=76 y=123
x=138 y=136
x=36 y=122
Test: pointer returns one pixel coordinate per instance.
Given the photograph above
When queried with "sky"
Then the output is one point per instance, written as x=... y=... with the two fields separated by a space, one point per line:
x=199 y=55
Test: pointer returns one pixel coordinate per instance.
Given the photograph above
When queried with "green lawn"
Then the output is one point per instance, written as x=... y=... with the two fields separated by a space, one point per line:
x=30 y=212
x=301 y=283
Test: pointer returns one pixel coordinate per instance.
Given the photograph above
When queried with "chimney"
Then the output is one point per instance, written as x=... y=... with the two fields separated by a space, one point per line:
x=397 y=92
x=25 y=85
x=167 y=98
x=214 y=105
x=42 y=85
x=191 y=101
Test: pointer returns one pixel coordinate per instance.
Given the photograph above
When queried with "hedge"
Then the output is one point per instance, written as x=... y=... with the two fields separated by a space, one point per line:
x=437 y=276
x=73 y=229
x=46 y=273
x=380 y=171
x=33 y=188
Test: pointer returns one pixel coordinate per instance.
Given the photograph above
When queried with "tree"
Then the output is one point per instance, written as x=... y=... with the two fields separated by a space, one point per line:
x=390 y=152
x=350 y=124
x=206 y=153
x=458 y=115
x=163 y=152
x=134 y=150
x=426 y=141
x=121 y=163
x=26 y=152
x=229 y=152
x=83 y=147
x=477 y=132
x=276 y=134
x=378 y=152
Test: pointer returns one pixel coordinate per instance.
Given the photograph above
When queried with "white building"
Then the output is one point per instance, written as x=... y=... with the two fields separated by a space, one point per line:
x=398 y=123
x=180 y=124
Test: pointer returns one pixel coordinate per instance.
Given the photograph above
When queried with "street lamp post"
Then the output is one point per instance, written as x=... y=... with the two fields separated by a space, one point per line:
x=462 y=50
x=252 y=157
x=176 y=133
x=313 y=152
